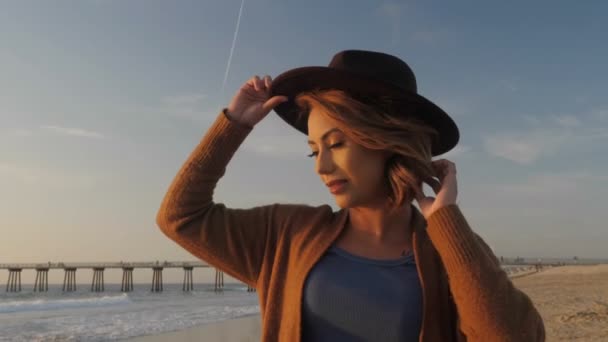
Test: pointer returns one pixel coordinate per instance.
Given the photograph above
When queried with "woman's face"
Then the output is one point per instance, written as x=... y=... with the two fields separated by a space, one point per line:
x=339 y=158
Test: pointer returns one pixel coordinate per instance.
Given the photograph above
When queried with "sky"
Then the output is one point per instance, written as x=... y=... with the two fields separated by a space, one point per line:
x=102 y=101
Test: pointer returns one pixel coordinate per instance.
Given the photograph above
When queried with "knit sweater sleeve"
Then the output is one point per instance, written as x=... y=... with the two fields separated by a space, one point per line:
x=490 y=307
x=234 y=240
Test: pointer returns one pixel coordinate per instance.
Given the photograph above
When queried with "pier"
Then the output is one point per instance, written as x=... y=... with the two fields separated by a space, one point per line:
x=97 y=283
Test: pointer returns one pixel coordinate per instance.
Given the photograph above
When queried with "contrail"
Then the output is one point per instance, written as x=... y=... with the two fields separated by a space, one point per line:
x=236 y=31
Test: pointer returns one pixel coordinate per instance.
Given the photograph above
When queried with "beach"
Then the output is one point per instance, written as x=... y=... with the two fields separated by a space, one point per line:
x=573 y=301
x=244 y=329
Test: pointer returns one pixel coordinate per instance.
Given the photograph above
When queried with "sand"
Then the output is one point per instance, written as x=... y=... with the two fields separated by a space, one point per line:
x=573 y=301
x=244 y=329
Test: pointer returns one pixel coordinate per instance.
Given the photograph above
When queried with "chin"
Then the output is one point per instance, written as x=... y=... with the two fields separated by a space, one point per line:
x=344 y=202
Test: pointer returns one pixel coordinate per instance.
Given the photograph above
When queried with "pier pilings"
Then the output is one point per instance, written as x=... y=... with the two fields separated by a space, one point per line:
x=188 y=285
x=97 y=283
x=157 y=279
x=14 y=280
x=69 y=279
x=127 y=279
x=219 y=281
x=41 y=284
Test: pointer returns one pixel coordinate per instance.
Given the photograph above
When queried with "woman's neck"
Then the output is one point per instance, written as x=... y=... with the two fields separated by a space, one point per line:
x=380 y=225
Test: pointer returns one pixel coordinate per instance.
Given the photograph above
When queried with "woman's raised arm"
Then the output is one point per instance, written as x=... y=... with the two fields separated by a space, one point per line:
x=234 y=240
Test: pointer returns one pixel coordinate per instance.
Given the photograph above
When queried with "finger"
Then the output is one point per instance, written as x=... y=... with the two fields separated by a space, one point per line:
x=443 y=163
x=267 y=81
x=443 y=167
x=261 y=84
x=250 y=84
x=256 y=83
x=273 y=102
x=437 y=167
x=440 y=164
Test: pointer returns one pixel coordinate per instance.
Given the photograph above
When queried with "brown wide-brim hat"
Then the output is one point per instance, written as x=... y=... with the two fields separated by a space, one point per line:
x=368 y=73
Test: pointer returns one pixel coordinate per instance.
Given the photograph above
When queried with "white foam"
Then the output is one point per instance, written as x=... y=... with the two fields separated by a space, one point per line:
x=55 y=304
x=56 y=316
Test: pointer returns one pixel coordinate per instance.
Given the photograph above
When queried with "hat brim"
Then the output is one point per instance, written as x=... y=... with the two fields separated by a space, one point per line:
x=295 y=81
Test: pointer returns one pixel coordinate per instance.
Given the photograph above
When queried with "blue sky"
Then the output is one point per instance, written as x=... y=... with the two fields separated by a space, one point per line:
x=103 y=100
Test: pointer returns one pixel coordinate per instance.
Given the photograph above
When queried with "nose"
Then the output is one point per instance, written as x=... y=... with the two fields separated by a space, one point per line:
x=324 y=164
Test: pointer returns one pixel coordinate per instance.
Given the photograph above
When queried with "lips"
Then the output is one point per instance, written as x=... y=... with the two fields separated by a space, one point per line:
x=337 y=186
x=336 y=182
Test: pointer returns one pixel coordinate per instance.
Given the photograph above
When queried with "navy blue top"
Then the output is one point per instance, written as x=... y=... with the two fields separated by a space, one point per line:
x=351 y=298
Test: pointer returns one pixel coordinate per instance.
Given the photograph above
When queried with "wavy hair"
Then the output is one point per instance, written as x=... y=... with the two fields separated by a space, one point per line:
x=375 y=124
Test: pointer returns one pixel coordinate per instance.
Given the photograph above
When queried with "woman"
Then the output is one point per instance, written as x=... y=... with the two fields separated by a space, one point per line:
x=378 y=269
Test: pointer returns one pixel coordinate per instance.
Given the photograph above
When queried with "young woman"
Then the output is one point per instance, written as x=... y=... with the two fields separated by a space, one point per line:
x=379 y=269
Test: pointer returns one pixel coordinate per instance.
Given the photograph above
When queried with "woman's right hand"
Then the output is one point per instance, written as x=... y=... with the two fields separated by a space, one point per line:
x=252 y=103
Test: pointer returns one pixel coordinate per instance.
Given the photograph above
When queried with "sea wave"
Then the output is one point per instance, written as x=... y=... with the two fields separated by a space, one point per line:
x=55 y=304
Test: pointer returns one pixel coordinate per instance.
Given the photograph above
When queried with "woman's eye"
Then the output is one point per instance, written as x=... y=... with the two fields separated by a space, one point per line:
x=314 y=154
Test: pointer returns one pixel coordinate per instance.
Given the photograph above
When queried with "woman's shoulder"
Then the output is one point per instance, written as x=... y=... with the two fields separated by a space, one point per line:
x=299 y=218
x=293 y=212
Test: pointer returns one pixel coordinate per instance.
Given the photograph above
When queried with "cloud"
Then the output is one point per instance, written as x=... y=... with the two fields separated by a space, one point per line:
x=71 y=131
x=457 y=151
x=277 y=146
x=37 y=176
x=22 y=133
x=568 y=121
x=531 y=119
x=551 y=186
x=192 y=106
x=522 y=148
x=548 y=213
x=547 y=137
x=20 y=173
x=183 y=100
x=455 y=106
x=600 y=113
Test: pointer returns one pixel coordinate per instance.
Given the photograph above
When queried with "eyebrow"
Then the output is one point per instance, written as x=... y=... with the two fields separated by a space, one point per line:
x=325 y=135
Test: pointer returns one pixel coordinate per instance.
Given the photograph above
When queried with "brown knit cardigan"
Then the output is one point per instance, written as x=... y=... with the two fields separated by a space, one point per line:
x=466 y=294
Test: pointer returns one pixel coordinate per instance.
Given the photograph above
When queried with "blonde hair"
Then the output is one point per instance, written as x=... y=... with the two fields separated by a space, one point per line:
x=374 y=124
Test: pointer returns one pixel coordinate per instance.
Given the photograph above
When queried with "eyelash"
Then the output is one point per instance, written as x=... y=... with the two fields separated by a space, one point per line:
x=314 y=154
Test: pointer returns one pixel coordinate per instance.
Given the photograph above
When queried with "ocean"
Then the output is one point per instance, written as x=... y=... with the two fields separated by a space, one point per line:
x=113 y=315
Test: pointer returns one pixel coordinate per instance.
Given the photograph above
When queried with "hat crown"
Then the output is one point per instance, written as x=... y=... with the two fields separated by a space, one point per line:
x=366 y=75
x=377 y=65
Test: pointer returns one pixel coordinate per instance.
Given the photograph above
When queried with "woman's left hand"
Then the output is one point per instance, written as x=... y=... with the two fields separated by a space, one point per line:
x=446 y=188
